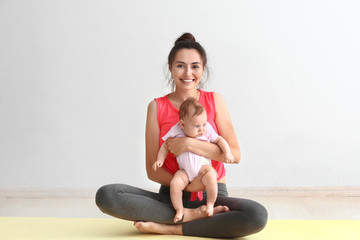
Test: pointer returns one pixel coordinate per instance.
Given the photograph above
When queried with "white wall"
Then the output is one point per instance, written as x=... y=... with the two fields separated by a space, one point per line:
x=76 y=78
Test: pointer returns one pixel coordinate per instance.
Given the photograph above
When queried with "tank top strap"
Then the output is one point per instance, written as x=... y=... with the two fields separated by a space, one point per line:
x=208 y=102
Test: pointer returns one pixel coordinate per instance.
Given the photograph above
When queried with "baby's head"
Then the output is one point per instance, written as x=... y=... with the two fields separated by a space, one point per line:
x=193 y=118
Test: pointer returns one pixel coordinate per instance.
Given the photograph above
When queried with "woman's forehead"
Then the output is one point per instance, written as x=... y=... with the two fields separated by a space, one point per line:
x=188 y=56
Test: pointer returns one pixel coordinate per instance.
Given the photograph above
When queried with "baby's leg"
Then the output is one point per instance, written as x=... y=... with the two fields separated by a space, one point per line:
x=177 y=185
x=209 y=179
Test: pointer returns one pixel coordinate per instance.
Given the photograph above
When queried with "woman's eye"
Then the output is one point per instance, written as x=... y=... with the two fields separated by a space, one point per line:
x=180 y=66
x=195 y=66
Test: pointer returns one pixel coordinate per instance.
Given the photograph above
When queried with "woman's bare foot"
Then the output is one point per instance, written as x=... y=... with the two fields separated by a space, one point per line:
x=179 y=215
x=189 y=215
x=152 y=227
x=210 y=209
x=201 y=212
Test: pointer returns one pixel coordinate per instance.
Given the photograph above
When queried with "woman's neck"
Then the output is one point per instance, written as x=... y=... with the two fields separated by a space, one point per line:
x=181 y=96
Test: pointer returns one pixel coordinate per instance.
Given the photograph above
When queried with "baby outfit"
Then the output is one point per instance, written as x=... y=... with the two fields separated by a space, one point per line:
x=188 y=161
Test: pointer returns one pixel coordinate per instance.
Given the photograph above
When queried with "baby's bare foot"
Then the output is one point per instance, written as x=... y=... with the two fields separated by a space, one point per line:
x=179 y=215
x=210 y=209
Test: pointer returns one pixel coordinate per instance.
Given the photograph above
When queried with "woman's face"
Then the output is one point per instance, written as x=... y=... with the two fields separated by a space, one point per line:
x=187 y=69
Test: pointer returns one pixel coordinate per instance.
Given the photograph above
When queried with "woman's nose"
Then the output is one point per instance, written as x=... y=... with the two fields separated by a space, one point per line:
x=188 y=71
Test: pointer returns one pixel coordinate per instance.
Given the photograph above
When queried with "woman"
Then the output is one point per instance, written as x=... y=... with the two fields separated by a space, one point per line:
x=153 y=212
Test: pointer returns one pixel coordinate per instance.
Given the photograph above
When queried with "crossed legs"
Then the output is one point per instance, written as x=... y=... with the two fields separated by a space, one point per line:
x=153 y=212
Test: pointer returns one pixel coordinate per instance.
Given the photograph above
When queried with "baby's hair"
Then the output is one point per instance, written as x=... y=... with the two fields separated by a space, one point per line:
x=187 y=104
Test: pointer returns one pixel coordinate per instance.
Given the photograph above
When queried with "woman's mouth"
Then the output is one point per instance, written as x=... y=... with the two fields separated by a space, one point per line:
x=188 y=80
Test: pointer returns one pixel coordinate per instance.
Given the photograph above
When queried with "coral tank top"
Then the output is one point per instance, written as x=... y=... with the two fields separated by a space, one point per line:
x=168 y=116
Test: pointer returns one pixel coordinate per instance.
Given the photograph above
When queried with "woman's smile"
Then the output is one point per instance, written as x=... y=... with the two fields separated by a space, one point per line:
x=188 y=80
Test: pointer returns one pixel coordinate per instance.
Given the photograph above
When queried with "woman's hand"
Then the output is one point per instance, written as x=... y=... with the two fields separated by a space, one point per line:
x=177 y=146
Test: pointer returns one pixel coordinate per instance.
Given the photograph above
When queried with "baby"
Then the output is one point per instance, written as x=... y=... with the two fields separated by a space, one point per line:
x=193 y=123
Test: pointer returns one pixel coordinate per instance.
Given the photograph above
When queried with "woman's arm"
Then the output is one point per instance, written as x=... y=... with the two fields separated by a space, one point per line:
x=225 y=126
x=152 y=142
x=210 y=150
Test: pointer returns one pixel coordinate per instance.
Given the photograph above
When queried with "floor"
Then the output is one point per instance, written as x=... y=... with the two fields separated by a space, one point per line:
x=295 y=203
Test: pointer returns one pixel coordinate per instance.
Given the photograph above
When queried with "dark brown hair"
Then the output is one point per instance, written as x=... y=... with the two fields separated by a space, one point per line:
x=187 y=104
x=188 y=41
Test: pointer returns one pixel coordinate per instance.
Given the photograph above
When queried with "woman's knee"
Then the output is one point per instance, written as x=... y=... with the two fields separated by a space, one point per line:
x=105 y=196
x=257 y=216
x=260 y=216
x=248 y=216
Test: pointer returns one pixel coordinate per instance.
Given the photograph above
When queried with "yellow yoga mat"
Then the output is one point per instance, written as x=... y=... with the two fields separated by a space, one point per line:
x=13 y=228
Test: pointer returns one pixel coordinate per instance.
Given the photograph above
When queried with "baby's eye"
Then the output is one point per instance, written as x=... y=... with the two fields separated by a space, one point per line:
x=196 y=126
x=204 y=124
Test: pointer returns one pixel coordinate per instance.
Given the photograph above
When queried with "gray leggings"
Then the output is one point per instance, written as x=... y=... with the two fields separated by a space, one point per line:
x=130 y=203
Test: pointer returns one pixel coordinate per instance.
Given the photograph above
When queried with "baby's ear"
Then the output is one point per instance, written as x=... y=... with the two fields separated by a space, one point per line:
x=181 y=124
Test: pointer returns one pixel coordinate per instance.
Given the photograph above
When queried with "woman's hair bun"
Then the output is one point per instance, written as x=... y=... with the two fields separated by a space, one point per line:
x=185 y=37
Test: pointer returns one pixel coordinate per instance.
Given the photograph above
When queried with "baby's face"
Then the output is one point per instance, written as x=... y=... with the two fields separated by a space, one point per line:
x=194 y=126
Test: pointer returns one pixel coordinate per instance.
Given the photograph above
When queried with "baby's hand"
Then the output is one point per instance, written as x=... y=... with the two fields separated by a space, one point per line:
x=157 y=164
x=229 y=158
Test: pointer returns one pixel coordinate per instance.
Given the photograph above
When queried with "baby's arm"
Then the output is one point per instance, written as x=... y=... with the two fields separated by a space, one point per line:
x=163 y=152
x=224 y=146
